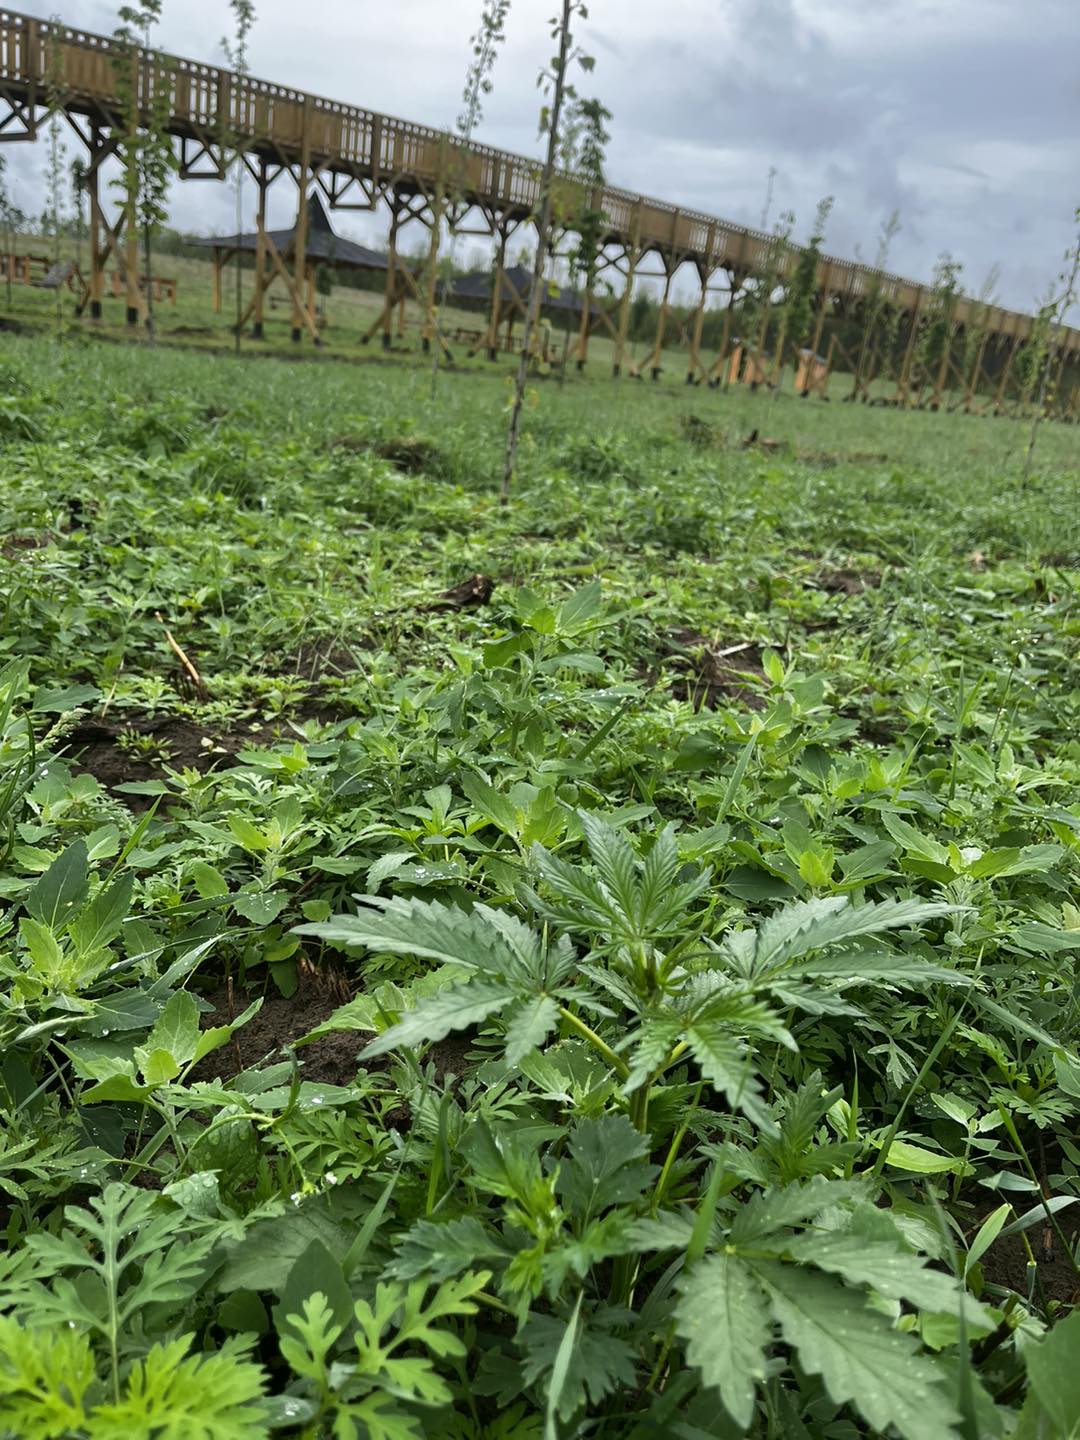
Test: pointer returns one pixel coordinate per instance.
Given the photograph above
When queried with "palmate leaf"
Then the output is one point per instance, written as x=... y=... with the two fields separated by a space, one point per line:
x=722 y=1059
x=454 y=1008
x=482 y=939
x=861 y=1359
x=809 y=925
x=875 y=968
x=529 y=1026
x=723 y=1318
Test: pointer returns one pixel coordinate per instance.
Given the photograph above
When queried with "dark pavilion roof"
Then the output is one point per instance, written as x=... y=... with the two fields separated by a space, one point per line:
x=322 y=243
x=479 y=286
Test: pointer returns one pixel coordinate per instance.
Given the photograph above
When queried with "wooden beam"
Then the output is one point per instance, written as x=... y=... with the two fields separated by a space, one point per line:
x=301 y=230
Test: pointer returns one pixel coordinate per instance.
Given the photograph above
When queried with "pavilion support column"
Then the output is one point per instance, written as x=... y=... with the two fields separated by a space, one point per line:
x=131 y=268
x=828 y=366
x=311 y=295
x=301 y=230
x=219 y=261
x=262 y=184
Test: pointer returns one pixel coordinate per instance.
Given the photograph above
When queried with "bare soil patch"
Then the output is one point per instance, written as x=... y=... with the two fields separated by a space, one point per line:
x=712 y=673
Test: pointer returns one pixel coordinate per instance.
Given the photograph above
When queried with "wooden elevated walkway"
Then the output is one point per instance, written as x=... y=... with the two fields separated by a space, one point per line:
x=359 y=159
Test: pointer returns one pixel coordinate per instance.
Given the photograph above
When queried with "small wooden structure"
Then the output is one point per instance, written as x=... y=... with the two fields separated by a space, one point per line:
x=42 y=272
x=164 y=286
x=276 y=251
x=812 y=374
x=747 y=367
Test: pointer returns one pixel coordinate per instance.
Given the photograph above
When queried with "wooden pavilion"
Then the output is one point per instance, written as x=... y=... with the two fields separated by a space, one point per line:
x=275 y=256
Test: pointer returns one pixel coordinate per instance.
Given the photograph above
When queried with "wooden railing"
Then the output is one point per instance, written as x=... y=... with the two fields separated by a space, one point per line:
x=206 y=101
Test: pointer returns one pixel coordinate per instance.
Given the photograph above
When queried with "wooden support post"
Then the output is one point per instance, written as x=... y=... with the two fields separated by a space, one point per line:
x=694 y=363
x=430 y=324
x=828 y=367
x=96 y=262
x=131 y=269
x=781 y=341
x=943 y=368
x=219 y=261
x=976 y=372
x=300 y=232
x=903 y=387
x=661 y=324
x=633 y=255
x=717 y=371
x=758 y=354
x=585 y=326
x=262 y=184
x=1003 y=380
x=391 y=277
x=312 y=325
x=496 y=296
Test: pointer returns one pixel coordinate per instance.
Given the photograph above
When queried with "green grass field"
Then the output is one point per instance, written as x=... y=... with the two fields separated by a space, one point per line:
x=600 y=966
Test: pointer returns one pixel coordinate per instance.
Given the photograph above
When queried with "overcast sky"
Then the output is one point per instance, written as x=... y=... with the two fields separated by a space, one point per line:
x=962 y=114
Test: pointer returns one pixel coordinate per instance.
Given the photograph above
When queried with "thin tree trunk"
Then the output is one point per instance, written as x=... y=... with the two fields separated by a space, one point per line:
x=1044 y=379
x=533 y=311
x=148 y=252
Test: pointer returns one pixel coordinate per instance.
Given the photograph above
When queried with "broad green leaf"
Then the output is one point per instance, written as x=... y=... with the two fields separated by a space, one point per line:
x=61 y=890
x=44 y=950
x=208 y=881
x=314 y=1269
x=913 y=841
x=722 y=1316
x=859 y=1356
x=904 y=1156
x=177 y=1028
x=607 y=1166
x=102 y=919
x=882 y=1266
x=1054 y=1375
x=249 y=836
x=262 y=908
